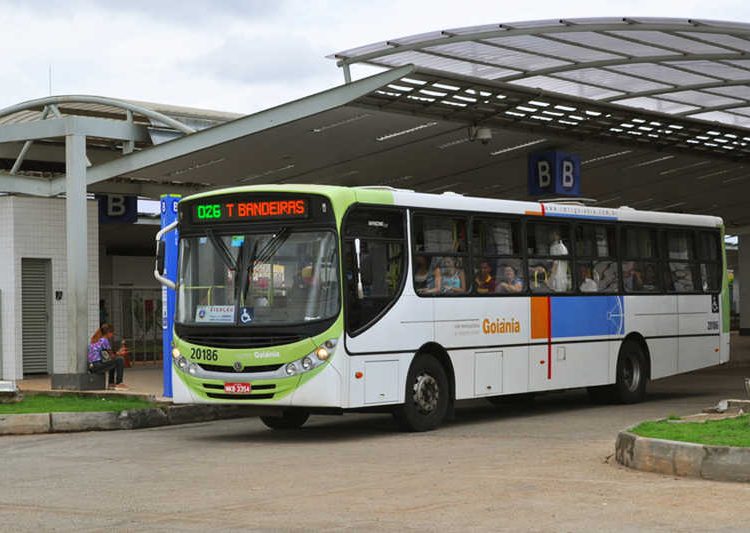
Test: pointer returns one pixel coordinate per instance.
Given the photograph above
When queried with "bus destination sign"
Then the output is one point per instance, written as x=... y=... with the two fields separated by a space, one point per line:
x=253 y=210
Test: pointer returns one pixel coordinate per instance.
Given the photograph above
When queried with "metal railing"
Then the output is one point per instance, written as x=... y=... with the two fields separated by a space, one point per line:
x=135 y=313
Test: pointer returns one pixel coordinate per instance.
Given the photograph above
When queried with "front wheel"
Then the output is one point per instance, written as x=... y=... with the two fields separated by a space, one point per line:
x=287 y=420
x=427 y=396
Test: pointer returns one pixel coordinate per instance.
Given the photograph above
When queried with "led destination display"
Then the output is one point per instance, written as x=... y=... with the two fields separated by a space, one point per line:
x=239 y=211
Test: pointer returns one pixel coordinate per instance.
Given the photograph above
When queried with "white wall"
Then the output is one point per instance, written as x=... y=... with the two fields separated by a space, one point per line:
x=35 y=228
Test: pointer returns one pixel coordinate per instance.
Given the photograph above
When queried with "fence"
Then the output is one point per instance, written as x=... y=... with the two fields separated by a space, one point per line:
x=135 y=312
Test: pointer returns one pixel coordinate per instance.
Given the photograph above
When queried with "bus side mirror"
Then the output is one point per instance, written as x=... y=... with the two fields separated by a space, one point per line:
x=159 y=264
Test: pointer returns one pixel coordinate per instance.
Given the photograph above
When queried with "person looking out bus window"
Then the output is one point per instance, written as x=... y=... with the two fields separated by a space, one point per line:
x=424 y=280
x=484 y=282
x=101 y=358
x=510 y=282
x=588 y=283
x=558 y=278
x=449 y=279
x=631 y=277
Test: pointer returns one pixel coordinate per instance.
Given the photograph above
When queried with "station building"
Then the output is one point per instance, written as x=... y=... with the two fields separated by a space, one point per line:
x=655 y=113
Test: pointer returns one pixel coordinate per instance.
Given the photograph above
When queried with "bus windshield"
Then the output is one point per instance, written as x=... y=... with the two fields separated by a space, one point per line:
x=251 y=279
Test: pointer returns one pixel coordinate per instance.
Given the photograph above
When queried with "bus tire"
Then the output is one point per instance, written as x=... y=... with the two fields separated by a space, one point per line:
x=427 y=398
x=632 y=373
x=294 y=419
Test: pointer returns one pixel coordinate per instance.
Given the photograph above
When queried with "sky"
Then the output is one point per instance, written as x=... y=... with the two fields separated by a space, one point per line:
x=246 y=55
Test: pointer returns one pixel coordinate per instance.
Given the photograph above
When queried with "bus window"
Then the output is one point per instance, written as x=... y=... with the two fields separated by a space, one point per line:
x=709 y=258
x=679 y=273
x=440 y=255
x=498 y=267
x=640 y=269
x=546 y=243
x=374 y=264
x=596 y=266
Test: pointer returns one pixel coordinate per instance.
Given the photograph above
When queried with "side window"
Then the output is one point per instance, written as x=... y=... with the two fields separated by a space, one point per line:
x=640 y=266
x=596 y=264
x=496 y=249
x=440 y=255
x=548 y=246
x=680 y=272
x=709 y=261
x=374 y=263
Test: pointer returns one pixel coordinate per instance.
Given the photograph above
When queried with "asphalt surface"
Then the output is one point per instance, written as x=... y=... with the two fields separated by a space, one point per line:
x=545 y=467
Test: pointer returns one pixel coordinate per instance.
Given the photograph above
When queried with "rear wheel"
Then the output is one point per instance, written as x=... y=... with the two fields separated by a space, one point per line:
x=632 y=373
x=631 y=378
x=288 y=420
x=427 y=396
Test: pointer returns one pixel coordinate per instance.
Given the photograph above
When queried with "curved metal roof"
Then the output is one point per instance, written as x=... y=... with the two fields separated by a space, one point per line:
x=685 y=67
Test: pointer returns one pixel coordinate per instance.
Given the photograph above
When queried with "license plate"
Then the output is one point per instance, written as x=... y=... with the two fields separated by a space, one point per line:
x=237 y=388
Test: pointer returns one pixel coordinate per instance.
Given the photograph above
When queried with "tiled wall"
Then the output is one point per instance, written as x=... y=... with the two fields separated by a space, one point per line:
x=35 y=228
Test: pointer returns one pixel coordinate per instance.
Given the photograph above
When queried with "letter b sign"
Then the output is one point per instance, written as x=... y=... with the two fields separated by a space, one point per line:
x=554 y=173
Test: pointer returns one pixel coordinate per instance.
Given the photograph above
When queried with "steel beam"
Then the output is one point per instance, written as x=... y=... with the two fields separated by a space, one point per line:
x=60 y=127
x=15 y=184
x=208 y=138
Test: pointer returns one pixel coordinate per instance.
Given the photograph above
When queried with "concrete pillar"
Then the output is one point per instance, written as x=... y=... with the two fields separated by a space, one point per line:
x=76 y=240
x=743 y=274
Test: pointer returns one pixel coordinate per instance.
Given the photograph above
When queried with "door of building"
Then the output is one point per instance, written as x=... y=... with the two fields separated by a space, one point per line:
x=36 y=315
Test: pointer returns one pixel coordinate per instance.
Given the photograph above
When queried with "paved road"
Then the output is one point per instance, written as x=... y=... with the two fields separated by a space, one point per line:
x=544 y=468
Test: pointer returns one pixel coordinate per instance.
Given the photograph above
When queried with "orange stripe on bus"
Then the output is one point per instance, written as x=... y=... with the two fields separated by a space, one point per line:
x=535 y=213
x=539 y=317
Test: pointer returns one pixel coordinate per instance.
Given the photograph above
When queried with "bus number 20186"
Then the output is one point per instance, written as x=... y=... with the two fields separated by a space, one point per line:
x=205 y=354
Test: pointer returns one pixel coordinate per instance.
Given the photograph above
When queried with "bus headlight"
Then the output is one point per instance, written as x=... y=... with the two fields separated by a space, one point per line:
x=192 y=369
x=176 y=353
x=181 y=363
x=322 y=353
x=290 y=369
x=307 y=363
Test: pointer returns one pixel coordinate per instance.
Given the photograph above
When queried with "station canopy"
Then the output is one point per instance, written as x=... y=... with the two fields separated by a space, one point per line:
x=657 y=109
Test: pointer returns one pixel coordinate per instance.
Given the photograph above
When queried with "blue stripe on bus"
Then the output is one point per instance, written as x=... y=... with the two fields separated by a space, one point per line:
x=585 y=316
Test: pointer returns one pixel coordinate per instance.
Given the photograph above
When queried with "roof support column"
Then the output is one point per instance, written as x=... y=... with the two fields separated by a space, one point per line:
x=75 y=374
x=743 y=276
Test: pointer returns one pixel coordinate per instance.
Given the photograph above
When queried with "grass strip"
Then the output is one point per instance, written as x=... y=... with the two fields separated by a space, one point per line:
x=71 y=403
x=727 y=432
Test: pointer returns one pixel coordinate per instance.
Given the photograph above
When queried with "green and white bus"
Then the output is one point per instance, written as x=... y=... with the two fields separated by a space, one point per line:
x=314 y=299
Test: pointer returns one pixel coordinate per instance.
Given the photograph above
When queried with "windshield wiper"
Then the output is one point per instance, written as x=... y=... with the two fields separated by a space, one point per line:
x=268 y=251
x=224 y=252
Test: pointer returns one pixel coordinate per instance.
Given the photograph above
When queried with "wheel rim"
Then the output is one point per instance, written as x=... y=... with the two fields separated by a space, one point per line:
x=426 y=393
x=631 y=373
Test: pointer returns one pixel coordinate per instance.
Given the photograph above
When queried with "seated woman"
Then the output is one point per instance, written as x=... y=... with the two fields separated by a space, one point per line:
x=588 y=283
x=101 y=358
x=484 y=282
x=448 y=278
x=510 y=282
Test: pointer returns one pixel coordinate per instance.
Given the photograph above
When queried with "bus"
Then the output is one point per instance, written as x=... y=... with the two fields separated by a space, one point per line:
x=321 y=299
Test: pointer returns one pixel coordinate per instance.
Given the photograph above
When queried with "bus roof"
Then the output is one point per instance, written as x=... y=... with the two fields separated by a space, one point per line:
x=457 y=202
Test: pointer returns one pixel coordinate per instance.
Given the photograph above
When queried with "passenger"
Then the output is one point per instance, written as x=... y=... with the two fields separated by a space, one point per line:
x=448 y=278
x=538 y=278
x=588 y=284
x=511 y=282
x=650 y=282
x=424 y=281
x=101 y=358
x=484 y=282
x=558 y=278
x=631 y=277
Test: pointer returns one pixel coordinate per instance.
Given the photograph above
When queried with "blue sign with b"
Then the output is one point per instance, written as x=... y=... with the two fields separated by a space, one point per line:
x=554 y=173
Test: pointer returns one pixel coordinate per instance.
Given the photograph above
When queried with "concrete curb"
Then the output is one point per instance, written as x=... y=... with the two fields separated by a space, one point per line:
x=164 y=415
x=672 y=458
